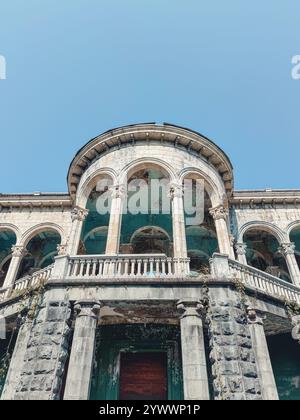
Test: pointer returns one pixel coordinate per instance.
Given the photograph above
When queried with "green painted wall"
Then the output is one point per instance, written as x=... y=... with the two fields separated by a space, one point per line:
x=134 y=337
x=285 y=358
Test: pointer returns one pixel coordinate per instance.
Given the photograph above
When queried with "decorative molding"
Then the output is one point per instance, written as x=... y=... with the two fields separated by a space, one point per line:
x=190 y=308
x=219 y=212
x=78 y=213
x=90 y=308
x=287 y=248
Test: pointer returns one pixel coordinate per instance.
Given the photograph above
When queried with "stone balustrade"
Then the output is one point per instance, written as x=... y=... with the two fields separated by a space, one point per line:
x=264 y=282
x=27 y=282
x=125 y=266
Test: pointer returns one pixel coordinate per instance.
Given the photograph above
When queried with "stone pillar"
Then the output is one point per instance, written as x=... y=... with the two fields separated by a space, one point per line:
x=78 y=216
x=296 y=328
x=220 y=216
x=82 y=352
x=263 y=362
x=115 y=220
x=195 y=379
x=241 y=250
x=179 y=238
x=18 y=252
x=288 y=251
x=17 y=360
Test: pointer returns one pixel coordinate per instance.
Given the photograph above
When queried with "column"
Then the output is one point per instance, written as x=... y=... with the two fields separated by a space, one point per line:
x=220 y=216
x=296 y=328
x=195 y=380
x=18 y=252
x=178 y=223
x=78 y=216
x=241 y=250
x=115 y=220
x=263 y=362
x=288 y=250
x=17 y=360
x=82 y=352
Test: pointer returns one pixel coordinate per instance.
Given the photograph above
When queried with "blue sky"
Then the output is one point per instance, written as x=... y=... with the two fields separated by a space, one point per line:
x=77 y=68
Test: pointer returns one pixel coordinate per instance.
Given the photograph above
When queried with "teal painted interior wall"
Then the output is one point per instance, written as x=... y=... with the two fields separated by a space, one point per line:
x=114 y=339
x=285 y=358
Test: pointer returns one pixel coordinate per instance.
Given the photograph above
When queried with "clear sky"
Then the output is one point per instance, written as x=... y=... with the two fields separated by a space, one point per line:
x=76 y=68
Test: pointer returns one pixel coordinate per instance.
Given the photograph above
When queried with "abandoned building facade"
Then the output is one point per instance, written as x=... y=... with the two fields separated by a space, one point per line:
x=146 y=305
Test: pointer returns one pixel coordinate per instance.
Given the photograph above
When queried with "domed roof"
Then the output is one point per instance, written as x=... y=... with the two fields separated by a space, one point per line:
x=129 y=135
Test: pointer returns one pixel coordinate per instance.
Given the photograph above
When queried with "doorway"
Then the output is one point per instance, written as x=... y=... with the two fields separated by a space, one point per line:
x=143 y=376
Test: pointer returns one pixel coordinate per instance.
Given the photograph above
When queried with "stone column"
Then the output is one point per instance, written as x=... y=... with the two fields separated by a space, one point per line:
x=195 y=379
x=178 y=223
x=18 y=252
x=220 y=216
x=82 y=352
x=17 y=360
x=288 y=251
x=263 y=362
x=115 y=220
x=241 y=250
x=78 y=216
x=296 y=328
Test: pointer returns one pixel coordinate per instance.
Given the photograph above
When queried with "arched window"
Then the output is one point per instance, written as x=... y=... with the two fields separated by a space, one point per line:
x=41 y=250
x=263 y=253
x=147 y=220
x=95 y=227
x=295 y=238
x=7 y=240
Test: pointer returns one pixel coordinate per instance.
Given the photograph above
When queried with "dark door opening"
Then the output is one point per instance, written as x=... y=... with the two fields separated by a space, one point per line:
x=143 y=376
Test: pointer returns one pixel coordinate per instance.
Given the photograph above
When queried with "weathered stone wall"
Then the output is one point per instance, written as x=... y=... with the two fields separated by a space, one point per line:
x=46 y=353
x=232 y=358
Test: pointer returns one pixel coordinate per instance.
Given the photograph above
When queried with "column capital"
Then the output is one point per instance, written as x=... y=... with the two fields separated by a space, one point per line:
x=117 y=191
x=241 y=248
x=296 y=328
x=176 y=190
x=18 y=251
x=219 y=212
x=190 y=307
x=287 y=248
x=79 y=213
x=89 y=308
x=253 y=317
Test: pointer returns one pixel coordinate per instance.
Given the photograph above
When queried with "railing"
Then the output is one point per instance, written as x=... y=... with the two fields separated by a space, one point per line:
x=27 y=282
x=264 y=282
x=125 y=266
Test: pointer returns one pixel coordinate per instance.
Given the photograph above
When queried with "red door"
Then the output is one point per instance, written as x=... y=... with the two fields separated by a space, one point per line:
x=143 y=376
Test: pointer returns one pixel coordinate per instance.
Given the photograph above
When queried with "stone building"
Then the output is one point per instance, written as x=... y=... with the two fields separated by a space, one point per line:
x=118 y=305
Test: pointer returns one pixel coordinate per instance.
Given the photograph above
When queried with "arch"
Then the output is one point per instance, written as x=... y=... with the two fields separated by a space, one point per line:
x=150 y=243
x=264 y=226
x=90 y=183
x=144 y=163
x=95 y=230
x=293 y=226
x=215 y=192
x=12 y=228
x=149 y=227
x=36 y=229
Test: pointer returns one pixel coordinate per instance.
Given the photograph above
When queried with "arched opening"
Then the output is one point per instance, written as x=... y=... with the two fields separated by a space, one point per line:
x=295 y=238
x=7 y=240
x=263 y=253
x=41 y=250
x=147 y=219
x=201 y=237
x=95 y=226
x=151 y=240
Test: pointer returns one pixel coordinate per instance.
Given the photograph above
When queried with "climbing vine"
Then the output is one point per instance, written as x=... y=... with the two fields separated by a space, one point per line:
x=28 y=307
